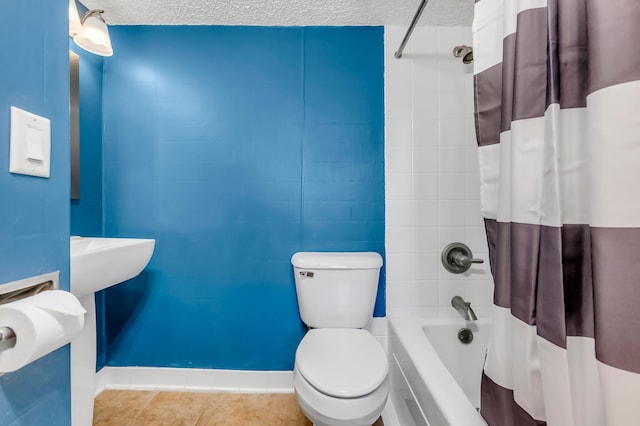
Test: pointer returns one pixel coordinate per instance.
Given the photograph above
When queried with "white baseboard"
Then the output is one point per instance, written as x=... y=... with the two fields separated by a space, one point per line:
x=194 y=379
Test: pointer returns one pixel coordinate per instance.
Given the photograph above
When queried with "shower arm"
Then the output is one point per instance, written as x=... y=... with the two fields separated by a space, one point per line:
x=414 y=21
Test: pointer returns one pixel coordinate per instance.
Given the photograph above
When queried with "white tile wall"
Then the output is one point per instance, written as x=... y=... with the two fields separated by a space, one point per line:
x=432 y=185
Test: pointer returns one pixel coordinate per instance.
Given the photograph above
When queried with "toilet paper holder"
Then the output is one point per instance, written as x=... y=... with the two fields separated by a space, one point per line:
x=20 y=289
x=7 y=338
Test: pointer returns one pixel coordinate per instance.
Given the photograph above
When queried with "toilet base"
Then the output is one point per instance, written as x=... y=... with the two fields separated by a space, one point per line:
x=313 y=415
x=324 y=410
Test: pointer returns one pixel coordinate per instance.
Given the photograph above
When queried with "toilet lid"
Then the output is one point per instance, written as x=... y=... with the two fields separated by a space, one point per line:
x=342 y=362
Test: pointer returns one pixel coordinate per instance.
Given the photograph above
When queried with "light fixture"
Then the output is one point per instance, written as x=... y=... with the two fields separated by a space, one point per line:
x=74 y=18
x=94 y=34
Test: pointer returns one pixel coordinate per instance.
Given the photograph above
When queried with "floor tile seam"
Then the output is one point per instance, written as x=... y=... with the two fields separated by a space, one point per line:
x=197 y=423
x=141 y=410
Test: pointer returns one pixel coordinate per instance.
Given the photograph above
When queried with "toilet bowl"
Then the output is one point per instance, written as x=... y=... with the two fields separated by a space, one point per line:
x=341 y=377
x=340 y=371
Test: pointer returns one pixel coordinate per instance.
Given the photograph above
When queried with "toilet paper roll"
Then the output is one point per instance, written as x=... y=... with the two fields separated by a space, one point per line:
x=42 y=324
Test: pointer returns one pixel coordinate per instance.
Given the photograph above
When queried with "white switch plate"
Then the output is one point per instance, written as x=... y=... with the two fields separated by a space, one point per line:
x=30 y=152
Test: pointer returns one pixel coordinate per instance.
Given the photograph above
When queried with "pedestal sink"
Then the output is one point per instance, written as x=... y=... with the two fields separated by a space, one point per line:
x=97 y=263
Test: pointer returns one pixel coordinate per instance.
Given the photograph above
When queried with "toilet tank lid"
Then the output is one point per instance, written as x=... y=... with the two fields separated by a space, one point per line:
x=337 y=260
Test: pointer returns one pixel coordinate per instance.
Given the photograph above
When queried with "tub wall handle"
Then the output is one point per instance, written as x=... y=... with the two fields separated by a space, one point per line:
x=457 y=258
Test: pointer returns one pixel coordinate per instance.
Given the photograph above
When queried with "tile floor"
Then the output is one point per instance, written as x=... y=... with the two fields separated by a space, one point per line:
x=153 y=408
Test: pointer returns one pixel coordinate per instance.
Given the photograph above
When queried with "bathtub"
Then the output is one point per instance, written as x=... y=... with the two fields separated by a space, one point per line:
x=435 y=378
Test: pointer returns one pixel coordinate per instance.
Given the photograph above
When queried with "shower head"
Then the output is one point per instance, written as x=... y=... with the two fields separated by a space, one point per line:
x=464 y=52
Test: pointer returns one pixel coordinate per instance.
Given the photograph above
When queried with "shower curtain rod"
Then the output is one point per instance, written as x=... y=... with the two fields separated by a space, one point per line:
x=416 y=17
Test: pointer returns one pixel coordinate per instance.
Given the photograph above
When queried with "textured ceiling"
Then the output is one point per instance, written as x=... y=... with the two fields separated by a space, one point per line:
x=281 y=12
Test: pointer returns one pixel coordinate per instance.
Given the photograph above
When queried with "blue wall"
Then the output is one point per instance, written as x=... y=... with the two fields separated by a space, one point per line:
x=235 y=147
x=34 y=217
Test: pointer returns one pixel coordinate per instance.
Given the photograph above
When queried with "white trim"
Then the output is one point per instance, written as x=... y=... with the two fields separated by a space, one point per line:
x=194 y=379
x=100 y=381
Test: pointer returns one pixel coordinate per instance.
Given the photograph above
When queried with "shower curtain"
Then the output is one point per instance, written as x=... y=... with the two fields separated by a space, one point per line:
x=557 y=109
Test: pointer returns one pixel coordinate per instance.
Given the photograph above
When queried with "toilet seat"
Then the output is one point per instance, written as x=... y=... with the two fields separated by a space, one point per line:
x=324 y=410
x=342 y=362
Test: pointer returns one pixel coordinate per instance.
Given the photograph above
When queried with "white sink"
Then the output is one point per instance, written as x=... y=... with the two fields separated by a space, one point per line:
x=98 y=263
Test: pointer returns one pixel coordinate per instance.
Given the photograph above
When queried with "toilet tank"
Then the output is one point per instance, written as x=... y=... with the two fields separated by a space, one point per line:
x=336 y=290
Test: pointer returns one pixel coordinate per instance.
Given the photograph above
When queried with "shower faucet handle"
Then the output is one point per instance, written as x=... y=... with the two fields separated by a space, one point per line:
x=457 y=258
x=463 y=260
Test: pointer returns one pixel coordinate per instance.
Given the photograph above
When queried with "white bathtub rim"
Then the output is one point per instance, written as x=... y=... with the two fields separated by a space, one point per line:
x=447 y=394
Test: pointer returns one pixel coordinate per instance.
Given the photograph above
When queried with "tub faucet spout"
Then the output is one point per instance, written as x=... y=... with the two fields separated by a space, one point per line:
x=464 y=308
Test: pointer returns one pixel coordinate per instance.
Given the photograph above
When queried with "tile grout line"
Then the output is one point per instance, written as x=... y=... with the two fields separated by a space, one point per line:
x=155 y=394
x=200 y=417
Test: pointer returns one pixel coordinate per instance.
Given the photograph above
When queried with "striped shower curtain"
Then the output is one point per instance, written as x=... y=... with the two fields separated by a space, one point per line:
x=557 y=99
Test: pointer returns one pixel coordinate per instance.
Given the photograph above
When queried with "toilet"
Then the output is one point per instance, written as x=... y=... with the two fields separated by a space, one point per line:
x=341 y=371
